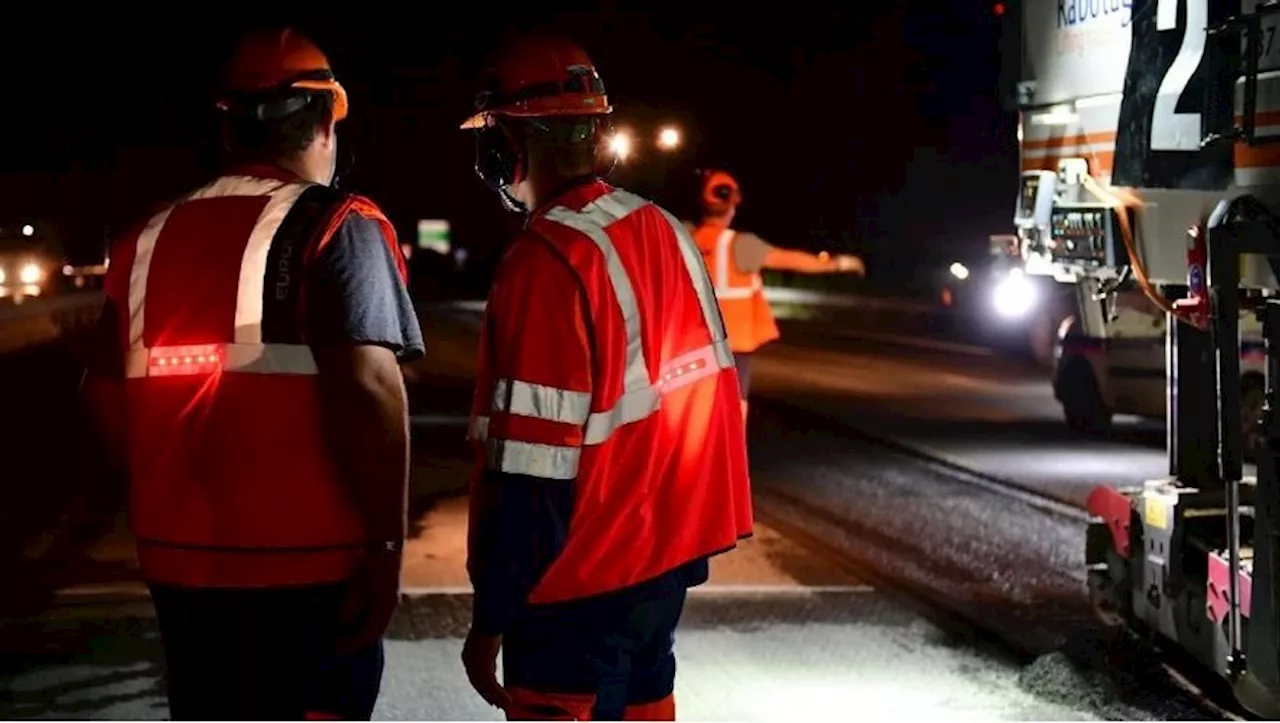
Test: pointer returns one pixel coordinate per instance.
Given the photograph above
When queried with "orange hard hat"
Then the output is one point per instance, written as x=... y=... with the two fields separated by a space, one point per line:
x=271 y=62
x=720 y=191
x=540 y=76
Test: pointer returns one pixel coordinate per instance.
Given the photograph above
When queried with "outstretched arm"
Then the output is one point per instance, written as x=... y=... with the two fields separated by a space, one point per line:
x=752 y=253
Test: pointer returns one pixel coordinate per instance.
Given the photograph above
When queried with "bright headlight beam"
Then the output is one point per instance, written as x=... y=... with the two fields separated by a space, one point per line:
x=1014 y=295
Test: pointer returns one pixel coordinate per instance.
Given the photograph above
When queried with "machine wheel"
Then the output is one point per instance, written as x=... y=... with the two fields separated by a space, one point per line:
x=1252 y=397
x=1082 y=404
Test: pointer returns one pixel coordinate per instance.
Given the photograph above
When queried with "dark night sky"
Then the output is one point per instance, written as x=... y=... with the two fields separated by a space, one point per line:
x=875 y=128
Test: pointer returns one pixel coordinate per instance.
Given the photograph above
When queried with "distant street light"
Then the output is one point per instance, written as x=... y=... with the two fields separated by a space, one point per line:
x=669 y=138
x=620 y=144
x=28 y=230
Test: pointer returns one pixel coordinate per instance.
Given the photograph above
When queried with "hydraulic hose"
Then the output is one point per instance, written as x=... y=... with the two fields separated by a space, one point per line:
x=1122 y=200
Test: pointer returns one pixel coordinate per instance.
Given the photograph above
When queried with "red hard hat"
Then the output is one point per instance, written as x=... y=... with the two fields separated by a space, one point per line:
x=267 y=61
x=540 y=76
x=720 y=191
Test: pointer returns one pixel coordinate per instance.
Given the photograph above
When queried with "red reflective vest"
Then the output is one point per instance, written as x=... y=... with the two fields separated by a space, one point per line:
x=604 y=361
x=231 y=483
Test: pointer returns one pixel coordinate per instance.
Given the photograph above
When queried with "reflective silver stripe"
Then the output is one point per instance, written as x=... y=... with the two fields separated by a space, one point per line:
x=697 y=271
x=632 y=407
x=723 y=289
x=540 y=401
x=722 y=258
x=253 y=264
x=238 y=358
x=547 y=461
x=145 y=248
x=639 y=404
x=591 y=221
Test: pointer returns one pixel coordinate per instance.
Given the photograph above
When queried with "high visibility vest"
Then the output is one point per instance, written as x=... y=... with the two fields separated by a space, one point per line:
x=747 y=315
x=636 y=401
x=231 y=483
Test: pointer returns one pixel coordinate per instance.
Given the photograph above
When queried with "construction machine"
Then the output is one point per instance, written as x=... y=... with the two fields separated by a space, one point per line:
x=1150 y=149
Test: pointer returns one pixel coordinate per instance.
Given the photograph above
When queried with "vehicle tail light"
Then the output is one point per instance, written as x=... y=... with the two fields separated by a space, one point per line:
x=169 y=361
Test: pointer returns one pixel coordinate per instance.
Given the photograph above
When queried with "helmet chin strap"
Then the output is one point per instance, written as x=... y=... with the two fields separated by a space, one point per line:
x=511 y=202
x=343 y=160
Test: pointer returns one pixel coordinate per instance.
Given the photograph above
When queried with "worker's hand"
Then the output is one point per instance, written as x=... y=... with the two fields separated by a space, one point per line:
x=373 y=596
x=480 y=659
x=850 y=264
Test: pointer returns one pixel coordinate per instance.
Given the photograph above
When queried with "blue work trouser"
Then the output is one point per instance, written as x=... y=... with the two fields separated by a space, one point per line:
x=263 y=655
x=614 y=654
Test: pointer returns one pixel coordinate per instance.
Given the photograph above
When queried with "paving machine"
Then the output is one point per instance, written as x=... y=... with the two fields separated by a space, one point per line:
x=1150 y=145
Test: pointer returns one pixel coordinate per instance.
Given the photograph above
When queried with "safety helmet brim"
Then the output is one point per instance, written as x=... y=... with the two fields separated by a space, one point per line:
x=488 y=117
x=340 y=101
x=270 y=64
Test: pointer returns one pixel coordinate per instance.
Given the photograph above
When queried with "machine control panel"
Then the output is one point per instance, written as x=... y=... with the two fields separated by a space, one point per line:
x=1084 y=235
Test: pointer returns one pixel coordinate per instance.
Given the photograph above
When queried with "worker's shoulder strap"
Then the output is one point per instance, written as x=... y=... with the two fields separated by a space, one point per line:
x=722 y=241
x=724 y=246
x=323 y=210
x=308 y=227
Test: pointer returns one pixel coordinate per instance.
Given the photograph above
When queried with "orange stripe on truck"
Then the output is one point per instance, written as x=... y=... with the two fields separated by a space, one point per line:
x=1244 y=156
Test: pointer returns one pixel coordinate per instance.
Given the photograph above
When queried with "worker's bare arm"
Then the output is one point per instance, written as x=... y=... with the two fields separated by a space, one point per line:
x=752 y=253
x=366 y=422
x=361 y=326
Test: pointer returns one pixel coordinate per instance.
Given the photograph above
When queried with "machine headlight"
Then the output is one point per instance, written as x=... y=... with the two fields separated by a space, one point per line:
x=1014 y=295
x=960 y=271
x=30 y=273
x=3 y=275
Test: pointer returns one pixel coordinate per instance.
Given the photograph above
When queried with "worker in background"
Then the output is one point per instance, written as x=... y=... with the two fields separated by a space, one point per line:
x=611 y=459
x=735 y=260
x=252 y=339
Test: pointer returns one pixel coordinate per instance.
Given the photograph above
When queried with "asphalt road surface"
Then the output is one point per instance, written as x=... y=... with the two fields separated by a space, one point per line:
x=989 y=413
x=878 y=583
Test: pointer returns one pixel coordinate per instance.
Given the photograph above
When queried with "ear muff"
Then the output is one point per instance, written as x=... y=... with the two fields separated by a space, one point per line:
x=719 y=193
x=499 y=158
x=605 y=158
x=500 y=163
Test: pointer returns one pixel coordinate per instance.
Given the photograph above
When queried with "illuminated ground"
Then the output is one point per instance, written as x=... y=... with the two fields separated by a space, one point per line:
x=779 y=632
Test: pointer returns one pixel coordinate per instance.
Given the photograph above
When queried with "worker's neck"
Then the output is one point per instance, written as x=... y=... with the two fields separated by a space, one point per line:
x=299 y=165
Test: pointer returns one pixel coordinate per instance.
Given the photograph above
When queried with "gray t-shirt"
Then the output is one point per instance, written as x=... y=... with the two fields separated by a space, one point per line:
x=354 y=294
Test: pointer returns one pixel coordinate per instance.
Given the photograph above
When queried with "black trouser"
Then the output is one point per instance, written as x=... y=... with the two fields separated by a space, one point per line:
x=617 y=649
x=263 y=655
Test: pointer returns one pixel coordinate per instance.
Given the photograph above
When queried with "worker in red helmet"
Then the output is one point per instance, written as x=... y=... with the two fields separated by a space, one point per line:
x=610 y=459
x=250 y=351
x=735 y=260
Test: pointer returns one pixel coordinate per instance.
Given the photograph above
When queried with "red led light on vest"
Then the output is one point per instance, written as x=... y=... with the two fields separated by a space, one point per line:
x=172 y=361
x=683 y=369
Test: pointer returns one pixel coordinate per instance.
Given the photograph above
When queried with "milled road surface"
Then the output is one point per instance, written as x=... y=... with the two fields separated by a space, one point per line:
x=784 y=629
x=988 y=413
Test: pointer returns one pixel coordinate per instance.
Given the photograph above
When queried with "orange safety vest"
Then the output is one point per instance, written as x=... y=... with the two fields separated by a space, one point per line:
x=231 y=484
x=747 y=315
x=604 y=361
